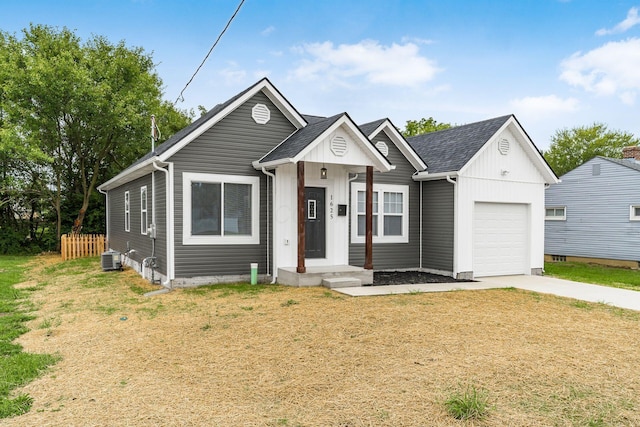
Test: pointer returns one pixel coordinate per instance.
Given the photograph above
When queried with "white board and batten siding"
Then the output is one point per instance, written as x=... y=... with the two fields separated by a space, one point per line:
x=500 y=201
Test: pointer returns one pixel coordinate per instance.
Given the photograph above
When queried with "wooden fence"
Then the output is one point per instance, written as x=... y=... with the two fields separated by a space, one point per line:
x=81 y=245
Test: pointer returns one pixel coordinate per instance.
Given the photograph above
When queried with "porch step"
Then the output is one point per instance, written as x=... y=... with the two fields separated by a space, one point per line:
x=341 y=282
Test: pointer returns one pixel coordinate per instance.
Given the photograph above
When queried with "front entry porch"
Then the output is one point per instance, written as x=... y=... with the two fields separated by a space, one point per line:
x=330 y=276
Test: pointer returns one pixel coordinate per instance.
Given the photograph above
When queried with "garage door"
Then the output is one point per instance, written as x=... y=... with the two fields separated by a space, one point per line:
x=500 y=239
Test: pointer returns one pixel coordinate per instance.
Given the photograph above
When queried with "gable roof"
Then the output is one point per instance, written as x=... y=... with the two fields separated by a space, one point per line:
x=302 y=141
x=184 y=136
x=630 y=163
x=372 y=129
x=450 y=149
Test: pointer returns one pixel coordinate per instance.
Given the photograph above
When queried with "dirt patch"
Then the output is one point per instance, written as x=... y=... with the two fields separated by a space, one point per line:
x=410 y=277
x=279 y=356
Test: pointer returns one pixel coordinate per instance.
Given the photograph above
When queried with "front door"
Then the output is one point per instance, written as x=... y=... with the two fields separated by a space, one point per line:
x=315 y=238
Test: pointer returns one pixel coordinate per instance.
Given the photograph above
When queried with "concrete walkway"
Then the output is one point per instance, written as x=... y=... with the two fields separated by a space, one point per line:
x=622 y=298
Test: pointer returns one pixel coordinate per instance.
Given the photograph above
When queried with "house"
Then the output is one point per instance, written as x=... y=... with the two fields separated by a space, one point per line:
x=313 y=199
x=593 y=215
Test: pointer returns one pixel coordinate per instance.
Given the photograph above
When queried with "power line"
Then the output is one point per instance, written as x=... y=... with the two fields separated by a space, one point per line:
x=209 y=53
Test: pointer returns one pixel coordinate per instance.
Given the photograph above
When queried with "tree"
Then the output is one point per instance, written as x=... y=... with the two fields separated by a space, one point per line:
x=572 y=147
x=86 y=106
x=418 y=127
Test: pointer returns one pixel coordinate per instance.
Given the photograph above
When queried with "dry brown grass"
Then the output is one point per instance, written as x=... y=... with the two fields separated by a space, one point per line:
x=311 y=357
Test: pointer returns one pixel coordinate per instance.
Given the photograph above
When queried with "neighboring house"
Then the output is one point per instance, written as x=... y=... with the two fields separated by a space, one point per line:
x=310 y=198
x=594 y=213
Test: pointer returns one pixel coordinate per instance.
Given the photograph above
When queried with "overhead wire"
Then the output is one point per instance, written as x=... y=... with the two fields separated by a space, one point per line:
x=180 y=96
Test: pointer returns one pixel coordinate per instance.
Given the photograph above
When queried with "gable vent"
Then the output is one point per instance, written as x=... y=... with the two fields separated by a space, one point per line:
x=503 y=146
x=382 y=147
x=339 y=146
x=261 y=114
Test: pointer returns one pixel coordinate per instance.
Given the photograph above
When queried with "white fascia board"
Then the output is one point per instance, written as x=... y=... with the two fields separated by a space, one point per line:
x=138 y=171
x=401 y=143
x=426 y=176
x=381 y=163
x=270 y=91
x=270 y=165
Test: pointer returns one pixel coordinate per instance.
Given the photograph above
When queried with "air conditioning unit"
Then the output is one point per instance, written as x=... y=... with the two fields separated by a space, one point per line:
x=111 y=260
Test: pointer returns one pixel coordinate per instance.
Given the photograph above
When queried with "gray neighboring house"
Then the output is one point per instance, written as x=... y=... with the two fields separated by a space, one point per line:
x=594 y=213
x=313 y=199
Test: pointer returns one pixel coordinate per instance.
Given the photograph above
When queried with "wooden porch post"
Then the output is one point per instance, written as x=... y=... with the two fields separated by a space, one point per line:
x=368 y=243
x=301 y=219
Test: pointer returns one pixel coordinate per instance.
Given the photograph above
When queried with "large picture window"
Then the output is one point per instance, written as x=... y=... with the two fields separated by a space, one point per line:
x=390 y=213
x=220 y=209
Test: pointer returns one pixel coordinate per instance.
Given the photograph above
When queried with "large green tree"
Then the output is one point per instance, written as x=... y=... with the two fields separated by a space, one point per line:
x=418 y=127
x=84 y=106
x=572 y=147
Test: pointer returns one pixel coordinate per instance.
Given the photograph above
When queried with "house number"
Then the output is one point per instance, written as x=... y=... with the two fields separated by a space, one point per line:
x=331 y=207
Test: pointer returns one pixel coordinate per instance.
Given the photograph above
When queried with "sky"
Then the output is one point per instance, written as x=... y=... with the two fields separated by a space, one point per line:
x=555 y=64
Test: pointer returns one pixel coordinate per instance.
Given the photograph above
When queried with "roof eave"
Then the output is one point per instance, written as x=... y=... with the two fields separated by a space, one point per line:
x=129 y=175
x=426 y=176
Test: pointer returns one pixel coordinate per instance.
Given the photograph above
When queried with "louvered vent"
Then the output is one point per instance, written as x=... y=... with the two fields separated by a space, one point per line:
x=339 y=146
x=503 y=146
x=383 y=148
x=261 y=114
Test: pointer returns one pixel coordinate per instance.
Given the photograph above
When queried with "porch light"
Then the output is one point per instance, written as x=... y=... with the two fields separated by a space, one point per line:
x=323 y=173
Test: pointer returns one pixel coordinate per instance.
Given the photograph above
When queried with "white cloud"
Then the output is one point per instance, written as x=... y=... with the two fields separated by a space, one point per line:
x=545 y=105
x=631 y=20
x=417 y=40
x=270 y=29
x=394 y=65
x=611 y=69
x=232 y=75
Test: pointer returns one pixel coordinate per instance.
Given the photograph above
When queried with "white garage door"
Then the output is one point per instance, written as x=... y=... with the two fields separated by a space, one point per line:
x=500 y=239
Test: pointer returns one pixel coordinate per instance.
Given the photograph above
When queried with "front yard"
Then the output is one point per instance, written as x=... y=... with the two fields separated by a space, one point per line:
x=275 y=356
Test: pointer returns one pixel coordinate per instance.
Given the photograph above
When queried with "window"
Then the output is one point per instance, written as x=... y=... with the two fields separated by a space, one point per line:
x=634 y=214
x=390 y=213
x=220 y=209
x=144 y=224
x=127 y=212
x=556 y=213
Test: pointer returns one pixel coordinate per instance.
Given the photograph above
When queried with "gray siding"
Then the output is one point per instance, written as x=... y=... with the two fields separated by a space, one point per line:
x=119 y=239
x=394 y=255
x=228 y=147
x=438 y=225
x=597 y=212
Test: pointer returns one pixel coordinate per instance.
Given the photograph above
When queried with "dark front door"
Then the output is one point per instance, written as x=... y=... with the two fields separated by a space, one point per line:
x=315 y=239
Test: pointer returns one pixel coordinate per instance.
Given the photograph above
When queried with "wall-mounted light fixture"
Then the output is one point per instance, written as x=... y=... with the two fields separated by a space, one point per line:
x=504 y=172
x=323 y=172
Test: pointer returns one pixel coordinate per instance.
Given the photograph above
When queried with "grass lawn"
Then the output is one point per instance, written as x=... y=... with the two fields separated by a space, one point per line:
x=268 y=355
x=591 y=273
x=16 y=367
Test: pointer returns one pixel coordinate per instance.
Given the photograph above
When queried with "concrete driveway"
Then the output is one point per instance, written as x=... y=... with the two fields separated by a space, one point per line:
x=547 y=285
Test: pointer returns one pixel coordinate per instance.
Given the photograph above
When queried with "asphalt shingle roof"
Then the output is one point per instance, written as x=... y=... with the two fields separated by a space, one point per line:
x=630 y=163
x=450 y=149
x=293 y=145
x=368 y=128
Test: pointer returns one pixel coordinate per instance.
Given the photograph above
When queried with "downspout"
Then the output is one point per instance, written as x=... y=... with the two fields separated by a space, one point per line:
x=420 y=225
x=106 y=195
x=273 y=206
x=168 y=226
x=455 y=224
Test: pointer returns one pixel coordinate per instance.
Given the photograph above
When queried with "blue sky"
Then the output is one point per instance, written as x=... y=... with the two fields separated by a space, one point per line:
x=553 y=63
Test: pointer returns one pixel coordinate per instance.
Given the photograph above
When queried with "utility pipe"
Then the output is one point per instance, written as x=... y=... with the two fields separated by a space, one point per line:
x=169 y=225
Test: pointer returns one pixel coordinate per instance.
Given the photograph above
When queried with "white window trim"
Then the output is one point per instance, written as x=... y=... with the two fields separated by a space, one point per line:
x=555 y=218
x=381 y=189
x=127 y=211
x=188 y=239
x=144 y=212
x=632 y=216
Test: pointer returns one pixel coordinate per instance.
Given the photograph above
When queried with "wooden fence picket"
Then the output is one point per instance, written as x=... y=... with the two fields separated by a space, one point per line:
x=74 y=246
